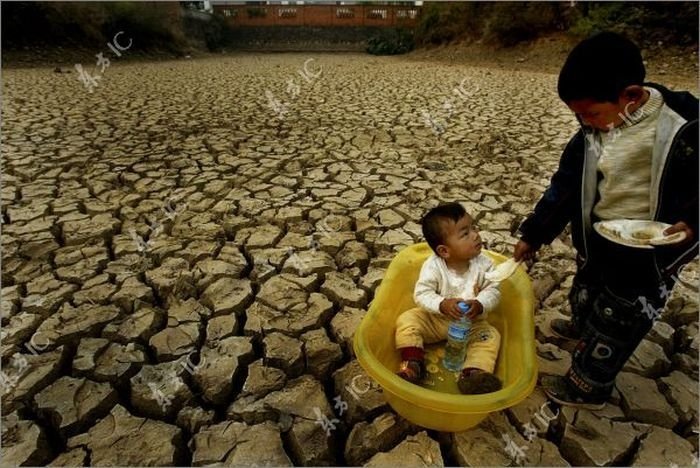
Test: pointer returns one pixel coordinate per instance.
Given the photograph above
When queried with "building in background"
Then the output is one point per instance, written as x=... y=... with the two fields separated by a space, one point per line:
x=205 y=6
x=319 y=13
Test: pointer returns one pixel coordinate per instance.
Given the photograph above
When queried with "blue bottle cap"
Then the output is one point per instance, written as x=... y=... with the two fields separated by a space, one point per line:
x=463 y=306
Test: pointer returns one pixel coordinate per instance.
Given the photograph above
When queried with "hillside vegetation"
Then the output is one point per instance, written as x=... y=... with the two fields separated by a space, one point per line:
x=508 y=23
x=152 y=25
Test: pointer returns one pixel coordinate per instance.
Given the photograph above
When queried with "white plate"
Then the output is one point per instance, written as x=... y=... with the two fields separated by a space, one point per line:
x=637 y=233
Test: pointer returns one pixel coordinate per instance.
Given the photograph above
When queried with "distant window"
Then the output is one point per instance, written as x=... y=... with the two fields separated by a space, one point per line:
x=377 y=14
x=193 y=5
x=405 y=14
x=287 y=12
x=227 y=12
x=344 y=13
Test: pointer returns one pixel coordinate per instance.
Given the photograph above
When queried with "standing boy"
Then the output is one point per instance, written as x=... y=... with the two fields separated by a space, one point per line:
x=635 y=157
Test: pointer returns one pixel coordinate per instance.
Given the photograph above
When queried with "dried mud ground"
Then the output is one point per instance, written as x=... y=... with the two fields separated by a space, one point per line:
x=185 y=261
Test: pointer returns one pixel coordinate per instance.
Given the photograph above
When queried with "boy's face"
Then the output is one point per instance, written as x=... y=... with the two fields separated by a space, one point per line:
x=604 y=116
x=462 y=241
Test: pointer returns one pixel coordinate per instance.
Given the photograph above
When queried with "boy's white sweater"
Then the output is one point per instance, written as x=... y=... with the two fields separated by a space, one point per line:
x=625 y=164
x=437 y=282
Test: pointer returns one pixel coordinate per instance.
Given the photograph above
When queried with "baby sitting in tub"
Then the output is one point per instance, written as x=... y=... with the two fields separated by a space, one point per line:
x=453 y=274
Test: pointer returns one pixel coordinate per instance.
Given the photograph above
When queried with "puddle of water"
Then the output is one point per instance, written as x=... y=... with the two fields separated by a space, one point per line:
x=438 y=378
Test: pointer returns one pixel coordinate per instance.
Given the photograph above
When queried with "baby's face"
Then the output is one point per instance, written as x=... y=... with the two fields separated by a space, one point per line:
x=462 y=240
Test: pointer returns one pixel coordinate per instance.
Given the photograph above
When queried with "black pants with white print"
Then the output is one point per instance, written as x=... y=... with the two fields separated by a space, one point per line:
x=615 y=299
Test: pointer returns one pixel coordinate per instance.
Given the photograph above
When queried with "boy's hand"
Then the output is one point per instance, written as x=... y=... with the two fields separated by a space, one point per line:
x=680 y=227
x=475 y=309
x=449 y=307
x=523 y=251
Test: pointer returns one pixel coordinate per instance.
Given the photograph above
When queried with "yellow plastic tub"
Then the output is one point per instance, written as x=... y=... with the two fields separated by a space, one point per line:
x=516 y=367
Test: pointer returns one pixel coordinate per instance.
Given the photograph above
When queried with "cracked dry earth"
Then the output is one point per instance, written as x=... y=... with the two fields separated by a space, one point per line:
x=183 y=270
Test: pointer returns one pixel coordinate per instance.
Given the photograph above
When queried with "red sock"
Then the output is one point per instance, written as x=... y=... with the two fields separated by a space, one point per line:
x=412 y=353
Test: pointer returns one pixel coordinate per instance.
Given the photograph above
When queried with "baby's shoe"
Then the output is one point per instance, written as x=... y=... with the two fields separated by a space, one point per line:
x=411 y=370
x=476 y=381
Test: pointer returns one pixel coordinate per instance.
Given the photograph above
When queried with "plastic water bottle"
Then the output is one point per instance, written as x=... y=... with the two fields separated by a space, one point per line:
x=457 y=336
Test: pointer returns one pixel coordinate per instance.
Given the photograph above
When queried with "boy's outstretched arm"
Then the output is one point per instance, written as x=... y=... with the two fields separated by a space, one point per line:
x=524 y=251
x=554 y=209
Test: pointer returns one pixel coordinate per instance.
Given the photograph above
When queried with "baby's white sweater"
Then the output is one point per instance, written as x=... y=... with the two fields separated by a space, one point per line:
x=437 y=282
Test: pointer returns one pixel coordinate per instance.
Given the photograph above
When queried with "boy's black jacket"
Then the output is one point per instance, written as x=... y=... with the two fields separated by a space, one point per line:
x=565 y=199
